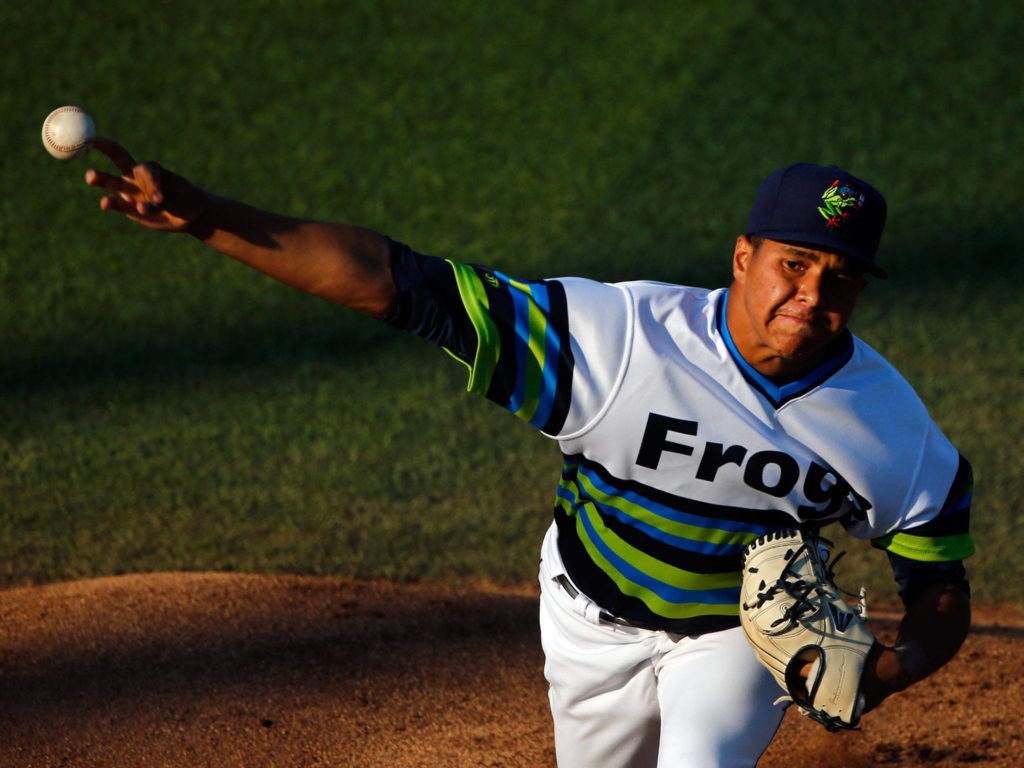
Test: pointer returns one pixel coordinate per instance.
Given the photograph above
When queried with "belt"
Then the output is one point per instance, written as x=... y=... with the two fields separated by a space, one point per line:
x=571 y=591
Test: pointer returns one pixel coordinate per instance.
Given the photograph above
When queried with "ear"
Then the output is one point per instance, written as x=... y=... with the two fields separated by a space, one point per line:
x=741 y=257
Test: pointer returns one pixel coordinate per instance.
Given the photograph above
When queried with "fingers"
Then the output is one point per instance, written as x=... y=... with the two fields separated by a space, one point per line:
x=116 y=203
x=117 y=184
x=118 y=154
x=147 y=176
x=138 y=190
x=139 y=181
x=133 y=208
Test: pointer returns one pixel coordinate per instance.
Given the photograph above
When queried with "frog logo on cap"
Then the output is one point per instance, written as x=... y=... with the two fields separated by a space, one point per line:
x=838 y=198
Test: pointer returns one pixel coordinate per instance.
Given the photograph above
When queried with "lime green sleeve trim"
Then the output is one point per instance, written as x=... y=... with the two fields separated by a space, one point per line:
x=456 y=357
x=941 y=549
x=488 y=343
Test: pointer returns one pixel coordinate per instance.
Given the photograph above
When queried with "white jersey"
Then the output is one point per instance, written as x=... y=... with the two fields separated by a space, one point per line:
x=672 y=435
x=670 y=407
x=678 y=454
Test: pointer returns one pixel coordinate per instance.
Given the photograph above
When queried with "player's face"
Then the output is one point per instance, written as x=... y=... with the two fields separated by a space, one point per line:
x=787 y=303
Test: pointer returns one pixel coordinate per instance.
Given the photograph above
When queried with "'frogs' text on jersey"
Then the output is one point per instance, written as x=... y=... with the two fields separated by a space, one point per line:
x=772 y=472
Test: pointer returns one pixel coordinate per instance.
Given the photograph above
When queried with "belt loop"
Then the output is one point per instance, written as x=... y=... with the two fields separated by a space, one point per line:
x=582 y=606
x=587 y=608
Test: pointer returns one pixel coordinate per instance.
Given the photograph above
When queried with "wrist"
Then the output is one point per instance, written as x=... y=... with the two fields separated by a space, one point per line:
x=890 y=670
x=201 y=226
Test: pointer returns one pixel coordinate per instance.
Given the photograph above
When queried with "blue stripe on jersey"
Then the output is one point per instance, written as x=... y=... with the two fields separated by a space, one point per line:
x=691 y=545
x=521 y=324
x=537 y=351
x=552 y=345
x=513 y=334
x=744 y=533
x=945 y=537
x=565 y=494
x=960 y=503
x=658 y=556
x=662 y=510
x=668 y=593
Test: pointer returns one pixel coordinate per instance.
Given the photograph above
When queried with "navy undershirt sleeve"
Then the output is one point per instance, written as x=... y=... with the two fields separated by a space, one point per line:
x=914 y=577
x=428 y=302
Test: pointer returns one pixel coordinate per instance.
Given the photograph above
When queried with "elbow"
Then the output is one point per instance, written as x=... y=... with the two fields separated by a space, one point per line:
x=381 y=304
x=360 y=274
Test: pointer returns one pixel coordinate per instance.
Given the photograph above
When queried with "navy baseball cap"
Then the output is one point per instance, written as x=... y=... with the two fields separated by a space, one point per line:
x=821 y=207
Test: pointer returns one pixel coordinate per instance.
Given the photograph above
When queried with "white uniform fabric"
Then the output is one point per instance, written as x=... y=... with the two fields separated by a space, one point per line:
x=637 y=698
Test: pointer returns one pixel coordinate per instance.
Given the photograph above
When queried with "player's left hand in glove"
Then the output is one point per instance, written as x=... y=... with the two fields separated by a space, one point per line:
x=794 y=615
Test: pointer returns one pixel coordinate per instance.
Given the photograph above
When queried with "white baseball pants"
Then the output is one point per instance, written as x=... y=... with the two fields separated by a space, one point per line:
x=635 y=698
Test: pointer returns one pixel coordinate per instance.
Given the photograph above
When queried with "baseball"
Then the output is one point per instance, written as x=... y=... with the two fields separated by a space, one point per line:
x=68 y=132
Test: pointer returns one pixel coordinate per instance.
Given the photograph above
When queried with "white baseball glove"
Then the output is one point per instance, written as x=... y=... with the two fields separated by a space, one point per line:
x=794 y=614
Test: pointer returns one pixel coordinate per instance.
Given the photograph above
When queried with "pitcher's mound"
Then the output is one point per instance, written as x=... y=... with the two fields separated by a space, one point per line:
x=270 y=671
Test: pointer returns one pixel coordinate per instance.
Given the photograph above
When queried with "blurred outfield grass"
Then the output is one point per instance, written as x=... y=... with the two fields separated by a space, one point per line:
x=162 y=407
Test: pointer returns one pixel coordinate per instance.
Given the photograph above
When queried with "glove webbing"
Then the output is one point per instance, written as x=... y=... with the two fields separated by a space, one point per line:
x=797 y=588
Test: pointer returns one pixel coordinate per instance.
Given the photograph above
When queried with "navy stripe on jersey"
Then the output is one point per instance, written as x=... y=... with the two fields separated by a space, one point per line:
x=666 y=559
x=679 y=508
x=595 y=583
x=779 y=394
x=523 y=333
x=428 y=304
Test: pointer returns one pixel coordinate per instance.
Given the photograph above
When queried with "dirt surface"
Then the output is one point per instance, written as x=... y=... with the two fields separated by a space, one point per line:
x=234 y=670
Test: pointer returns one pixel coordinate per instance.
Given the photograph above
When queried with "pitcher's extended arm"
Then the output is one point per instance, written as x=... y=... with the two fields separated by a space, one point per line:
x=345 y=264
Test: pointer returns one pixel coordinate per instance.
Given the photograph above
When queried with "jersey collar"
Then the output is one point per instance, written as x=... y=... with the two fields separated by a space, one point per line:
x=779 y=393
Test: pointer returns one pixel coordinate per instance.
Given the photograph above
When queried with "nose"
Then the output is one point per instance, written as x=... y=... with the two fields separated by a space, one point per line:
x=809 y=289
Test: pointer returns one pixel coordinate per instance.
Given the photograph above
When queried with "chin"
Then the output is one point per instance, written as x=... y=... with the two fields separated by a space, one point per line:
x=802 y=351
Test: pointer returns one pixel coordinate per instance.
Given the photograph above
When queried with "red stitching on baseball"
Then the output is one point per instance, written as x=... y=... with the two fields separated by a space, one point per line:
x=63 y=147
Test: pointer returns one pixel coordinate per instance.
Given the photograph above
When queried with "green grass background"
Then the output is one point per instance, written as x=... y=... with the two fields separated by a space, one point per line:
x=162 y=407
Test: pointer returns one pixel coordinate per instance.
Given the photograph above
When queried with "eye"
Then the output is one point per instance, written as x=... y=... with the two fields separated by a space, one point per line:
x=849 y=276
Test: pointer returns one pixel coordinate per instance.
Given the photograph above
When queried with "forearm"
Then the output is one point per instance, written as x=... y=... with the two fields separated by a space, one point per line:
x=341 y=263
x=344 y=264
x=932 y=631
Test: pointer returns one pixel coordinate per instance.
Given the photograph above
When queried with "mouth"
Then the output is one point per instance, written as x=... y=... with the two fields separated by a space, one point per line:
x=804 y=321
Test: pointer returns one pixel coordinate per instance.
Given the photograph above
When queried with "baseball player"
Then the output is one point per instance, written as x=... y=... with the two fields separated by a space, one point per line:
x=691 y=422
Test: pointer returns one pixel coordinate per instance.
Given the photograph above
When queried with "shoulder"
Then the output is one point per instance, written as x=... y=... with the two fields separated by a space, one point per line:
x=904 y=461
x=882 y=406
x=619 y=311
x=661 y=301
x=606 y=303
x=879 y=389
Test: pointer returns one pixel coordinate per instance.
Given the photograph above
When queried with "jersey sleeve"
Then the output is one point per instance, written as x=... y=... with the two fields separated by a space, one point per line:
x=516 y=337
x=946 y=536
x=915 y=576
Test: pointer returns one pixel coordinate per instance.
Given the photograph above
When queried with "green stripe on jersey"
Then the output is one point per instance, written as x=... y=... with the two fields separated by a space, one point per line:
x=941 y=549
x=664 y=572
x=671 y=527
x=488 y=344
